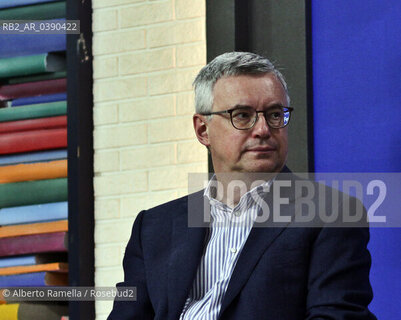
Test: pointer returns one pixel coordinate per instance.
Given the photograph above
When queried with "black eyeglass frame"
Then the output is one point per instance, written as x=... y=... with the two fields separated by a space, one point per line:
x=230 y=112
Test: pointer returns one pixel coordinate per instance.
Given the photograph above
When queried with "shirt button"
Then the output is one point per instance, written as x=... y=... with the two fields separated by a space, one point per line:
x=237 y=213
x=233 y=250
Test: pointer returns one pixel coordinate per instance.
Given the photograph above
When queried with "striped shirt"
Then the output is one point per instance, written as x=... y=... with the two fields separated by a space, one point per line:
x=228 y=232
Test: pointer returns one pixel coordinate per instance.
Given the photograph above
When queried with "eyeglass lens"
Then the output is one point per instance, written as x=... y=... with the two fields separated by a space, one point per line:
x=245 y=118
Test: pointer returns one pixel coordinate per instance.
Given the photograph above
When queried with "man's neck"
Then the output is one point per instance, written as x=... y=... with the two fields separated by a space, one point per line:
x=232 y=186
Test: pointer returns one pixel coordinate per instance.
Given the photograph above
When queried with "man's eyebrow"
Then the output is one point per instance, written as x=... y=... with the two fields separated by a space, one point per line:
x=276 y=105
x=241 y=106
x=273 y=106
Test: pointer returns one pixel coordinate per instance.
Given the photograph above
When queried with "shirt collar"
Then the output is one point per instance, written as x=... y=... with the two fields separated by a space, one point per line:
x=246 y=199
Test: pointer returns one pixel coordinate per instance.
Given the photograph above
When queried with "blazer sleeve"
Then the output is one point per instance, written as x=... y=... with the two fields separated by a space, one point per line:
x=338 y=283
x=134 y=276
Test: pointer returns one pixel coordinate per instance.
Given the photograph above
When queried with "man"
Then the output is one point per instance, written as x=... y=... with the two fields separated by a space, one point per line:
x=223 y=270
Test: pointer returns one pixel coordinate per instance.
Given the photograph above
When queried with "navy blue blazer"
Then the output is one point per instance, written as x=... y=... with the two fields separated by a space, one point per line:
x=283 y=273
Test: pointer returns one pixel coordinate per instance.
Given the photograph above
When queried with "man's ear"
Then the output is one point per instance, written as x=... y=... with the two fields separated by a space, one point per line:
x=201 y=129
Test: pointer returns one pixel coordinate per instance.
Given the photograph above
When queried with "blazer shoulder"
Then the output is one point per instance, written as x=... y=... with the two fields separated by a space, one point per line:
x=173 y=207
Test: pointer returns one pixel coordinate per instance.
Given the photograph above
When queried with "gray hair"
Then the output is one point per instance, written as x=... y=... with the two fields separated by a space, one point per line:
x=230 y=64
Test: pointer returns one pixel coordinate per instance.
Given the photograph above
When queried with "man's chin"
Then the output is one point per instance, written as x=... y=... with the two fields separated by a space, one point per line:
x=262 y=167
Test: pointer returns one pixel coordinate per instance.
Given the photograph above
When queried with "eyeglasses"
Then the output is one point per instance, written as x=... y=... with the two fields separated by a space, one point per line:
x=244 y=118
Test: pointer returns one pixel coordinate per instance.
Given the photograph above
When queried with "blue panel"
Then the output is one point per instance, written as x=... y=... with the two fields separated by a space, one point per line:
x=357 y=85
x=357 y=112
x=385 y=274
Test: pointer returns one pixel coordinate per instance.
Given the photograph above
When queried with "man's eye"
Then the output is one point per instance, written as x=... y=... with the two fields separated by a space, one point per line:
x=242 y=115
x=275 y=115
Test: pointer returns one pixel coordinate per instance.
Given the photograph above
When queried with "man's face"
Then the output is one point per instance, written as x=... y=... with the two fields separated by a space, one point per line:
x=259 y=149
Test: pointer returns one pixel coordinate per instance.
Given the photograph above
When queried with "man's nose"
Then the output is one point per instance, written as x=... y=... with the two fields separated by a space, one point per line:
x=261 y=127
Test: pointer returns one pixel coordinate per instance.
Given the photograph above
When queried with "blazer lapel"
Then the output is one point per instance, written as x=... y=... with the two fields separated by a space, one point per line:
x=258 y=242
x=187 y=248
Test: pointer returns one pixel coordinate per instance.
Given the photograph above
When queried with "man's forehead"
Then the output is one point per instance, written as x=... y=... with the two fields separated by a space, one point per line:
x=246 y=89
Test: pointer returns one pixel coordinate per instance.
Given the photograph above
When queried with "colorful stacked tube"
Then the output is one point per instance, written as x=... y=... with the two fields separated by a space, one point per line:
x=33 y=160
